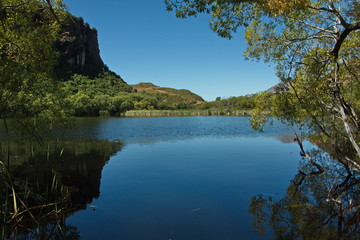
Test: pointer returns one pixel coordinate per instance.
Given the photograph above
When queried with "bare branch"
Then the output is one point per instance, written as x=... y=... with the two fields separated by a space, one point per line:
x=344 y=118
x=339 y=42
x=327 y=30
x=304 y=154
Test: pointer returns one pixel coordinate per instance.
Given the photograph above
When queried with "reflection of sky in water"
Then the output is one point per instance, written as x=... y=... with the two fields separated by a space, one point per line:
x=193 y=182
x=147 y=130
x=194 y=189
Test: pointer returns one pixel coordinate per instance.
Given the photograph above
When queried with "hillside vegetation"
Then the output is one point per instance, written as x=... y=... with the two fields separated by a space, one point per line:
x=91 y=89
x=170 y=95
x=68 y=76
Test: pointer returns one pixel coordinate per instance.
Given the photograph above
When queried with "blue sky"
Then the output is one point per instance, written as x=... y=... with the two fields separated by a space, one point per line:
x=142 y=42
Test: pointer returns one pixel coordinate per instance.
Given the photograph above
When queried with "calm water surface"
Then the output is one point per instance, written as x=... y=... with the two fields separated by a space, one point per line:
x=179 y=178
x=183 y=178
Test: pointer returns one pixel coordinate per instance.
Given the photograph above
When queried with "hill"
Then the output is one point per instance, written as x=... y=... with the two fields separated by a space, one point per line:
x=170 y=95
x=51 y=67
x=93 y=90
x=279 y=87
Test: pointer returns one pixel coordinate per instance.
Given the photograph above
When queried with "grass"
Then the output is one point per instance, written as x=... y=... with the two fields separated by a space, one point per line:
x=169 y=94
x=187 y=112
x=28 y=211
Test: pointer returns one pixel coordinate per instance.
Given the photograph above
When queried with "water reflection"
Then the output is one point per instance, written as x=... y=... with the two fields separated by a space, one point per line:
x=178 y=178
x=316 y=206
x=168 y=129
x=42 y=185
x=161 y=129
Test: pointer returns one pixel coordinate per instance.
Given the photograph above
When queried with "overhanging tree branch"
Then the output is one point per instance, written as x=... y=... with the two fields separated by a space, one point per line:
x=342 y=37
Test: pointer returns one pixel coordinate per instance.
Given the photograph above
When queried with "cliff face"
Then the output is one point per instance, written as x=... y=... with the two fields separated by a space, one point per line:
x=79 y=48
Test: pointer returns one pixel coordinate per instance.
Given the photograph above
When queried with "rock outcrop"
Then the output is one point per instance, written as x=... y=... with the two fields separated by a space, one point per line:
x=79 y=49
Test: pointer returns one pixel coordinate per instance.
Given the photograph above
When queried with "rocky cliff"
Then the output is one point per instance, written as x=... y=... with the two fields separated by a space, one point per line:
x=79 y=49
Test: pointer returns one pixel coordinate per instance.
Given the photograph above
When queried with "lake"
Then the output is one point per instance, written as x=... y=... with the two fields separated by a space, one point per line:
x=173 y=178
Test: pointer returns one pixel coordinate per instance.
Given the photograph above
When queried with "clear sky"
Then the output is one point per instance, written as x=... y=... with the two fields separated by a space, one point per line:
x=142 y=42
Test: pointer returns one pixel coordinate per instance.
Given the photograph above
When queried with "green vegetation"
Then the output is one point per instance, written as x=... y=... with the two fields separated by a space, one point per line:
x=42 y=185
x=45 y=76
x=27 y=58
x=31 y=95
x=106 y=94
x=233 y=103
x=233 y=106
x=314 y=45
x=109 y=95
x=169 y=95
x=186 y=112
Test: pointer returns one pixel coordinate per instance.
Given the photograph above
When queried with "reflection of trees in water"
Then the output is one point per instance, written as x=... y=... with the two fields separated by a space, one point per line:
x=42 y=185
x=318 y=205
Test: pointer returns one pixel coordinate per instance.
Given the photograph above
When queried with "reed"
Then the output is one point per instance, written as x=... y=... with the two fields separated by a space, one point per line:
x=187 y=112
x=28 y=211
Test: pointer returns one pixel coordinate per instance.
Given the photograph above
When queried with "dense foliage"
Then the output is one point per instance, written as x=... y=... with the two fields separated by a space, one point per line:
x=27 y=35
x=37 y=89
x=246 y=102
x=109 y=95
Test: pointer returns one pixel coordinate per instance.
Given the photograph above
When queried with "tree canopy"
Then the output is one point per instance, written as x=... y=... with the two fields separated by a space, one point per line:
x=28 y=31
x=315 y=46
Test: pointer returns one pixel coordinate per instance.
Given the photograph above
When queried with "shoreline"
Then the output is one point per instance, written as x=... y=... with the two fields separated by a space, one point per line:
x=178 y=113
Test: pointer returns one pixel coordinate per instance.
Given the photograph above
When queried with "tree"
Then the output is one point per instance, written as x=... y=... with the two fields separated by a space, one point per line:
x=315 y=46
x=28 y=88
x=315 y=207
x=127 y=105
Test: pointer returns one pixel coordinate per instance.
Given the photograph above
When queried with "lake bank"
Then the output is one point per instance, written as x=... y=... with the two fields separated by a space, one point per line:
x=186 y=112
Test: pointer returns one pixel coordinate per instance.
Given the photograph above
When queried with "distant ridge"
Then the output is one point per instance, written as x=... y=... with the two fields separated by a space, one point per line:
x=272 y=89
x=169 y=94
x=278 y=88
